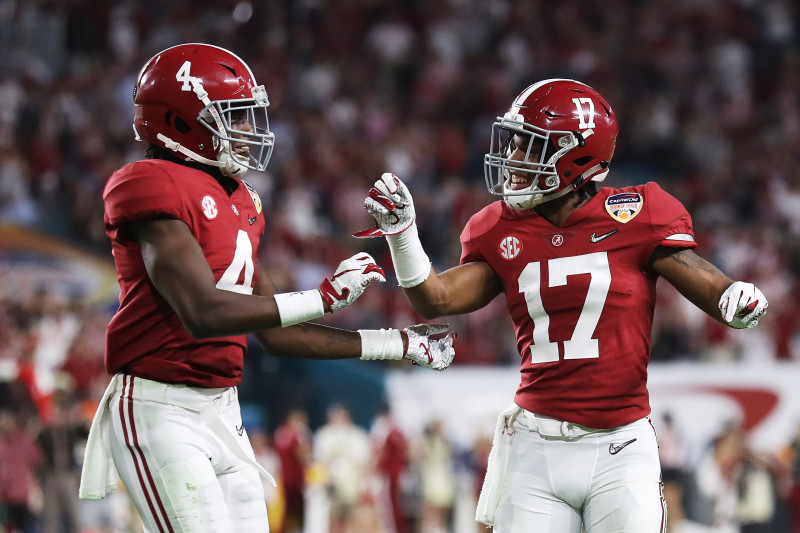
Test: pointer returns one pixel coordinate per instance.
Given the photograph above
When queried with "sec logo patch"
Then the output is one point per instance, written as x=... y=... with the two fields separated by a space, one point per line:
x=209 y=207
x=625 y=206
x=510 y=247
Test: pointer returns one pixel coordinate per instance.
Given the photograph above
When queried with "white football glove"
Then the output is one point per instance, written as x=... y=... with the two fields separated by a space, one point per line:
x=392 y=206
x=742 y=305
x=424 y=351
x=350 y=280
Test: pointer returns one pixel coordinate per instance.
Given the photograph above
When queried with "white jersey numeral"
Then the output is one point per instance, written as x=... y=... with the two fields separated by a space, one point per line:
x=581 y=345
x=582 y=114
x=184 y=75
x=242 y=260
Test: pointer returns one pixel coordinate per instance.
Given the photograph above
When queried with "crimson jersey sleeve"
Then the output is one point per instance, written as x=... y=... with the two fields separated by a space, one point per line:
x=477 y=225
x=670 y=223
x=144 y=191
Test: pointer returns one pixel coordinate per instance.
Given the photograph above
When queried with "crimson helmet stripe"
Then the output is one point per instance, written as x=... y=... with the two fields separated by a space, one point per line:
x=520 y=99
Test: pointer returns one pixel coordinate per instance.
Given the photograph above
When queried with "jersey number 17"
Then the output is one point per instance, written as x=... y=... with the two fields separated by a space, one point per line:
x=581 y=345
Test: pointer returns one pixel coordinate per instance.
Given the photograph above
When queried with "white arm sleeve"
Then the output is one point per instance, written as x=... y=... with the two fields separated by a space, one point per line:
x=411 y=264
x=381 y=344
x=297 y=307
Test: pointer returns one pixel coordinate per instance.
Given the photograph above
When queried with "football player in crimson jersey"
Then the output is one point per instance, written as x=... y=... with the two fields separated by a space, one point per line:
x=184 y=230
x=578 y=266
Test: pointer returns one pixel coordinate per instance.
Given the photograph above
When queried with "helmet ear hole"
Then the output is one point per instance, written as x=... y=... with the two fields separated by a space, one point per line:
x=182 y=126
x=582 y=160
x=178 y=123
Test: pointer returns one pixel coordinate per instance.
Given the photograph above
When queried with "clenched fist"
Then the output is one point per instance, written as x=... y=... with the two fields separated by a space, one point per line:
x=349 y=281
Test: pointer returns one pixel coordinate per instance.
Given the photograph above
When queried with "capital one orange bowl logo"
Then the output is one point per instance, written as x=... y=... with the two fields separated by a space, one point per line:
x=625 y=206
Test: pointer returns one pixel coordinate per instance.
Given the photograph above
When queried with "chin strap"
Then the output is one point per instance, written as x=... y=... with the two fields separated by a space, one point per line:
x=226 y=164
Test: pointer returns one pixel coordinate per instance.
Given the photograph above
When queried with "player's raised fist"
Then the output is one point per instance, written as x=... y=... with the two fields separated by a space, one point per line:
x=350 y=280
x=390 y=203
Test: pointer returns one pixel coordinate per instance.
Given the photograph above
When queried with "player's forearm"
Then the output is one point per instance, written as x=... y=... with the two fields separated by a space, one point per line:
x=696 y=279
x=459 y=290
x=315 y=341
x=311 y=341
x=224 y=314
x=431 y=298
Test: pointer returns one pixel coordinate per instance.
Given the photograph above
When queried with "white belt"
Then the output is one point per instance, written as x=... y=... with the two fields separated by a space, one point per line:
x=553 y=427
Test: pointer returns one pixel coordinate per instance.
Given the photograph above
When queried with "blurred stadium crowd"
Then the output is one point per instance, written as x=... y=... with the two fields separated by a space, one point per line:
x=707 y=93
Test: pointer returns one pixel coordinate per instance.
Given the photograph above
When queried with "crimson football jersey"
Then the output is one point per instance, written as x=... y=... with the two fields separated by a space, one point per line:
x=145 y=337
x=581 y=297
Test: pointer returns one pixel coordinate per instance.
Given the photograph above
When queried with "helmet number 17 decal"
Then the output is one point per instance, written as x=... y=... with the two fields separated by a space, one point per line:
x=582 y=114
x=184 y=76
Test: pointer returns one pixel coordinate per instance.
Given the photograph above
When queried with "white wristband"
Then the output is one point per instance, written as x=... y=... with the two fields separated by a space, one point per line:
x=296 y=307
x=381 y=344
x=411 y=264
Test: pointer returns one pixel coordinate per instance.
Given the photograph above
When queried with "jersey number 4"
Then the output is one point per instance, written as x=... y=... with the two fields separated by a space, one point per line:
x=581 y=345
x=242 y=261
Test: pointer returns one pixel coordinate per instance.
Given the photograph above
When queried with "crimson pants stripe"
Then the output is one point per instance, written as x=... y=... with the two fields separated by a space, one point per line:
x=139 y=461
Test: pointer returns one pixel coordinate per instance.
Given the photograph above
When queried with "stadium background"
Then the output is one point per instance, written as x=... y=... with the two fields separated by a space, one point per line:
x=708 y=98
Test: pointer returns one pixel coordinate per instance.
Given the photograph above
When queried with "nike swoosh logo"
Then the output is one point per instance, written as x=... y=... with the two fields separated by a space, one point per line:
x=252 y=220
x=614 y=449
x=240 y=430
x=598 y=238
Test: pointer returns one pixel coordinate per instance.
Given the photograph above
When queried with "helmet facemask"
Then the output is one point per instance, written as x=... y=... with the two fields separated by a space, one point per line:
x=543 y=149
x=240 y=147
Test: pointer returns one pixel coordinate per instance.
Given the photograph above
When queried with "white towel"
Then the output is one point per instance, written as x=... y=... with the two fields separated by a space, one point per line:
x=98 y=474
x=494 y=482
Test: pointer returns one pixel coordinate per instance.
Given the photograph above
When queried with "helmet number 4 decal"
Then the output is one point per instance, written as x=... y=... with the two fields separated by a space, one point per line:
x=184 y=76
x=583 y=115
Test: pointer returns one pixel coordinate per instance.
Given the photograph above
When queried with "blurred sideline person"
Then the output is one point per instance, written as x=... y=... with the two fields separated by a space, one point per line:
x=438 y=480
x=185 y=230
x=58 y=473
x=293 y=446
x=343 y=451
x=578 y=266
x=672 y=456
x=390 y=450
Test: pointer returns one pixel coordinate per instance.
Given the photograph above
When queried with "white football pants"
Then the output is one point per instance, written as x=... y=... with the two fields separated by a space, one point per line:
x=169 y=450
x=606 y=481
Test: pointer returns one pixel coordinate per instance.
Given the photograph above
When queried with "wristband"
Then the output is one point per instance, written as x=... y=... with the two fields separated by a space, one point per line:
x=381 y=344
x=296 y=307
x=411 y=264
